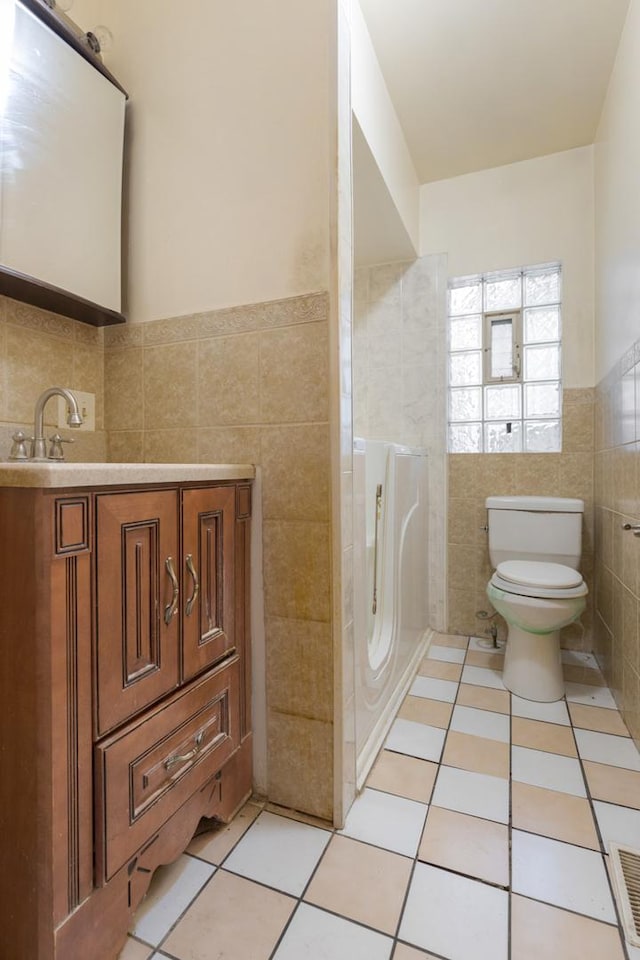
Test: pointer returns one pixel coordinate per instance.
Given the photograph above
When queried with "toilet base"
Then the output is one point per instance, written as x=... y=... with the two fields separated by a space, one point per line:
x=532 y=665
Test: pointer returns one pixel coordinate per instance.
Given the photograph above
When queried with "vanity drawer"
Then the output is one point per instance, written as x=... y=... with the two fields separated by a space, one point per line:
x=147 y=771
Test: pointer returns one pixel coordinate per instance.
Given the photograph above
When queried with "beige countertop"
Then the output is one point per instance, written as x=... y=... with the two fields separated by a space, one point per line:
x=52 y=474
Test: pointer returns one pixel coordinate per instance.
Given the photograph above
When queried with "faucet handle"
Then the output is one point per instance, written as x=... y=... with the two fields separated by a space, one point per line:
x=19 y=447
x=55 y=450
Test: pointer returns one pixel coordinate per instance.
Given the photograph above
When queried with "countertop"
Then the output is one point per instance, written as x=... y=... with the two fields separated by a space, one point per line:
x=52 y=474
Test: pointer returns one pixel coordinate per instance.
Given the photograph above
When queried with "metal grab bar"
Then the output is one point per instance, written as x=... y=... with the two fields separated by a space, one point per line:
x=375 y=548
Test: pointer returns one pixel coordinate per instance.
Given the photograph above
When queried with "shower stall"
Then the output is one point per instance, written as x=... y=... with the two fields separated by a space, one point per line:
x=391 y=584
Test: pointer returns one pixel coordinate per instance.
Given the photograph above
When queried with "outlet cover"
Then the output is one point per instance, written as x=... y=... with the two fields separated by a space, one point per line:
x=87 y=404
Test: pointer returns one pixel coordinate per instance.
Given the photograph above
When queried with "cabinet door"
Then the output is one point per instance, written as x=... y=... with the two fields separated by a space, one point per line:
x=137 y=655
x=208 y=558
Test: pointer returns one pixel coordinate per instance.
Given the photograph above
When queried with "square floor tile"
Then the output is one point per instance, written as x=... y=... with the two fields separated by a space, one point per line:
x=468 y=845
x=613 y=784
x=455 y=917
x=362 y=883
x=403 y=952
x=279 y=852
x=483 y=698
x=483 y=677
x=553 y=814
x=618 y=824
x=476 y=753
x=232 y=917
x=548 y=770
x=474 y=793
x=172 y=889
x=386 y=821
x=415 y=740
x=539 y=735
x=481 y=723
x=485 y=645
x=561 y=874
x=482 y=658
x=537 y=929
x=531 y=710
x=605 y=748
x=134 y=950
x=218 y=842
x=573 y=673
x=598 y=718
x=579 y=658
x=449 y=654
x=590 y=696
x=436 y=713
x=451 y=640
x=434 y=689
x=440 y=669
x=403 y=776
x=314 y=934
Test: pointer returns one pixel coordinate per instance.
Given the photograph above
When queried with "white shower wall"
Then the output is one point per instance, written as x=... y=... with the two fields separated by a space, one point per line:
x=399 y=381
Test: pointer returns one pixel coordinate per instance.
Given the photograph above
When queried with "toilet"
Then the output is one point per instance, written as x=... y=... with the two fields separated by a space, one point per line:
x=534 y=546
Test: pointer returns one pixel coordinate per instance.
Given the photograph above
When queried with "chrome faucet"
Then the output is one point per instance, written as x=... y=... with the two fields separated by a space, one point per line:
x=38 y=442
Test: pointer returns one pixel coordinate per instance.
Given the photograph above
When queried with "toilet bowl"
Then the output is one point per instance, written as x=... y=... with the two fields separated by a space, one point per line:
x=536 y=600
x=535 y=545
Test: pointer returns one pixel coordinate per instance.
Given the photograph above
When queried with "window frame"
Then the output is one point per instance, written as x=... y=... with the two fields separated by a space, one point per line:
x=470 y=428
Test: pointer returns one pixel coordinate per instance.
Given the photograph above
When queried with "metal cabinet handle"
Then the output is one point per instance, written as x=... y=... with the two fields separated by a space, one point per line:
x=183 y=758
x=632 y=526
x=196 y=585
x=171 y=608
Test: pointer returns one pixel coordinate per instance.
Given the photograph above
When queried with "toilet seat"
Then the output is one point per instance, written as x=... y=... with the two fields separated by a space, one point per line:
x=532 y=578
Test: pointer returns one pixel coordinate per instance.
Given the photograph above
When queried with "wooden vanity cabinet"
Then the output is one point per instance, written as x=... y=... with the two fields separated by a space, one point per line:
x=124 y=699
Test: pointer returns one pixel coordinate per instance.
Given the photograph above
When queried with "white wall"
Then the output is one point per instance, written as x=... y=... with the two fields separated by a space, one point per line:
x=524 y=213
x=229 y=144
x=617 y=179
x=375 y=113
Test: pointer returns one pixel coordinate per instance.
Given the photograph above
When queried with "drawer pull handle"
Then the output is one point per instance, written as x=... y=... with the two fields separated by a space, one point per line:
x=171 y=608
x=196 y=585
x=184 y=757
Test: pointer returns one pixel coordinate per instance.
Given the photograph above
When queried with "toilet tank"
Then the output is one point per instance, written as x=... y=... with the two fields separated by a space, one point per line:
x=535 y=528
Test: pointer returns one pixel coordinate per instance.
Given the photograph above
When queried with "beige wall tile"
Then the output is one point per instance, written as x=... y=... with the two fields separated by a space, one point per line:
x=300 y=668
x=123 y=395
x=537 y=473
x=296 y=569
x=170 y=395
x=170 y=446
x=125 y=446
x=294 y=369
x=228 y=380
x=88 y=375
x=301 y=763
x=34 y=362
x=41 y=321
x=577 y=427
x=229 y=445
x=295 y=463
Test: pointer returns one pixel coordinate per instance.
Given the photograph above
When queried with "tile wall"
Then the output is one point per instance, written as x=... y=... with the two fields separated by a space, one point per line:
x=473 y=477
x=617 y=501
x=40 y=350
x=250 y=385
x=399 y=389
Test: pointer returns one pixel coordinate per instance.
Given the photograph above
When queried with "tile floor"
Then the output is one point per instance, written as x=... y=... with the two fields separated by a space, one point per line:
x=482 y=834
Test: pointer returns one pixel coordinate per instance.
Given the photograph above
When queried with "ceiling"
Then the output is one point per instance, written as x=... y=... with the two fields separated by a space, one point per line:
x=482 y=83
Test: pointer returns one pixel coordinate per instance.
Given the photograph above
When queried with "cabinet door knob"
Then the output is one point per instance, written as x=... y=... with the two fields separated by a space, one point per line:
x=171 y=608
x=196 y=585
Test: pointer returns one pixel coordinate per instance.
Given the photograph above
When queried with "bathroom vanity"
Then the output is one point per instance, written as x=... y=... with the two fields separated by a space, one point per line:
x=124 y=688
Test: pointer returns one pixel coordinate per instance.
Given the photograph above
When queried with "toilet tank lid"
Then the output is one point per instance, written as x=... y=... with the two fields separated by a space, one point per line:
x=541 y=504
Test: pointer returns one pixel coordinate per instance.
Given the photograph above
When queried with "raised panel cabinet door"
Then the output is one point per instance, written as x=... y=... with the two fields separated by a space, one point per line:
x=208 y=562
x=138 y=600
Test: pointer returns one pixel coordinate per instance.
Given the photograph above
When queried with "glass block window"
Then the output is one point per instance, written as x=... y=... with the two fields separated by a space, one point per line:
x=505 y=390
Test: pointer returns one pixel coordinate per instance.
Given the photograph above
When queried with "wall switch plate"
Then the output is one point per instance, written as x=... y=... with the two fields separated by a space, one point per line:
x=87 y=404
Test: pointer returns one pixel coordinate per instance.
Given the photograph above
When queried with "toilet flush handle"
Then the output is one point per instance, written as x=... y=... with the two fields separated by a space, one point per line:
x=632 y=526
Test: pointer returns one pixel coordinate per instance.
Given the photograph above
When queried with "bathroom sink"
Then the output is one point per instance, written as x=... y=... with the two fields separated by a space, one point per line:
x=53 y=473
